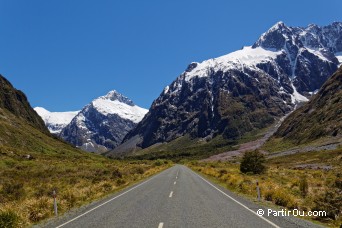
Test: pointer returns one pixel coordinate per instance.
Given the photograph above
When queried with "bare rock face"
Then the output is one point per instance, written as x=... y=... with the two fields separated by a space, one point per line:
x=244 y=90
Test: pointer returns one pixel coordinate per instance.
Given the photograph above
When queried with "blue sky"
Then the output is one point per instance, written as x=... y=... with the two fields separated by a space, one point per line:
x=64 y=53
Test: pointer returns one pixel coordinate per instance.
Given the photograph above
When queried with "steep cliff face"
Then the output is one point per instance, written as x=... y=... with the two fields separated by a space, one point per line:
x=320 y=117
x=16 y=102
x=244 y=90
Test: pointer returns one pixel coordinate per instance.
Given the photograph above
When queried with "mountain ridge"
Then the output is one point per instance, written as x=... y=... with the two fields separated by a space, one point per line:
x=244 y=90
x=16 y=102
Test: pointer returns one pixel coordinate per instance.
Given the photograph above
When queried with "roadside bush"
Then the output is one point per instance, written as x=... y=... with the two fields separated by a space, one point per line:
x=70 y=199
x=331 y=202
x=222 y=172
x=8 y=219
x=158 y=163
x=120 y=182
x=13 y=191
x=253 y=162
x=338 y=183
x=268 y=195
x=107 y=187
x=140 y=170
x=39 y=210
x=280 y=198
x=283 y=199
x=116 y=174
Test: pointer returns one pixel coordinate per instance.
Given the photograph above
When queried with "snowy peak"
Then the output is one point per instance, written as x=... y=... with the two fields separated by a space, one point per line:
x=55 y=121
x=102 y=124
x=248 y=56
x=275 y=37
x=283 y=52
x=243 y=90
x=115 y=103
x=114 y=95
x=313 y=36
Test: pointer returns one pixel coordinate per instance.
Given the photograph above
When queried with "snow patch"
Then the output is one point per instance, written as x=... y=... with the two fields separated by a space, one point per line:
x=166 y=89
x=125 y=111
x=297 y=97
x=318 y=53
x=248 y=56
x=55 y=121
x=339 y=57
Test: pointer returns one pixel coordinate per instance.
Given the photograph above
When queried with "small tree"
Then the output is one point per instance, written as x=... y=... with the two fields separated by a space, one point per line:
x=253 y=162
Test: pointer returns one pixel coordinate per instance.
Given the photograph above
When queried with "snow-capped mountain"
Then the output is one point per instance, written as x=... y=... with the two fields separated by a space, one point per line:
x=244 y=90
x=102 y=124
x=55 y=121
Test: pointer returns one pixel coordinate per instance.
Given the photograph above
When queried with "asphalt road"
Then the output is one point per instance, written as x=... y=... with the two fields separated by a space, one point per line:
x=177 y=197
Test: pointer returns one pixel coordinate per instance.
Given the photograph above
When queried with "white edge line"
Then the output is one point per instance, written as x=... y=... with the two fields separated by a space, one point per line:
x=268 y=221
x=161 y=225
x=106 y=202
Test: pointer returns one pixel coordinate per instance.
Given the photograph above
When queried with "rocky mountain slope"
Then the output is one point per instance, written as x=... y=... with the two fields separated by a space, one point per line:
x=16 y=102
x=244 y=90
x=102 y=124
x=320 y=117
x=55 y=121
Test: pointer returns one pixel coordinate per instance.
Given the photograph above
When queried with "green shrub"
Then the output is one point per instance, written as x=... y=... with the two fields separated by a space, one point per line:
x=8 y=219
x=253 y=162
x=158 y=163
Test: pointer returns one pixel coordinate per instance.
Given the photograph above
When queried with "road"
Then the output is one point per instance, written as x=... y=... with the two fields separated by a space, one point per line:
x=176 y=197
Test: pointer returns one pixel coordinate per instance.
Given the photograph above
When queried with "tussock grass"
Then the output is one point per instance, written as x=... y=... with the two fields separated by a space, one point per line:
x=27 y=182
x=285 y=186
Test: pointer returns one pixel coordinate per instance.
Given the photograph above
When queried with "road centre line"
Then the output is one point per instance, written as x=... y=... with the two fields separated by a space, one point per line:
x=161 y=225
x=171 y=193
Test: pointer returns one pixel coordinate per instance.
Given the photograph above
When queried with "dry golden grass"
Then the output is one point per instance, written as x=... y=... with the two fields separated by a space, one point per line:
x=282 y=185
x=76 y=184
x=27 y=182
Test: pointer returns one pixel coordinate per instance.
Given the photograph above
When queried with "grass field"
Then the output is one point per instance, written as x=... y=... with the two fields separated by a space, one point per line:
x=33 y=164
x=287 y=186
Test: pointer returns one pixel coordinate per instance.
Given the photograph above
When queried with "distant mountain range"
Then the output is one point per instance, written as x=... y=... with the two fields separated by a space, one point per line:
x=243 y=91
x=99 y=126
x=55 y=121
